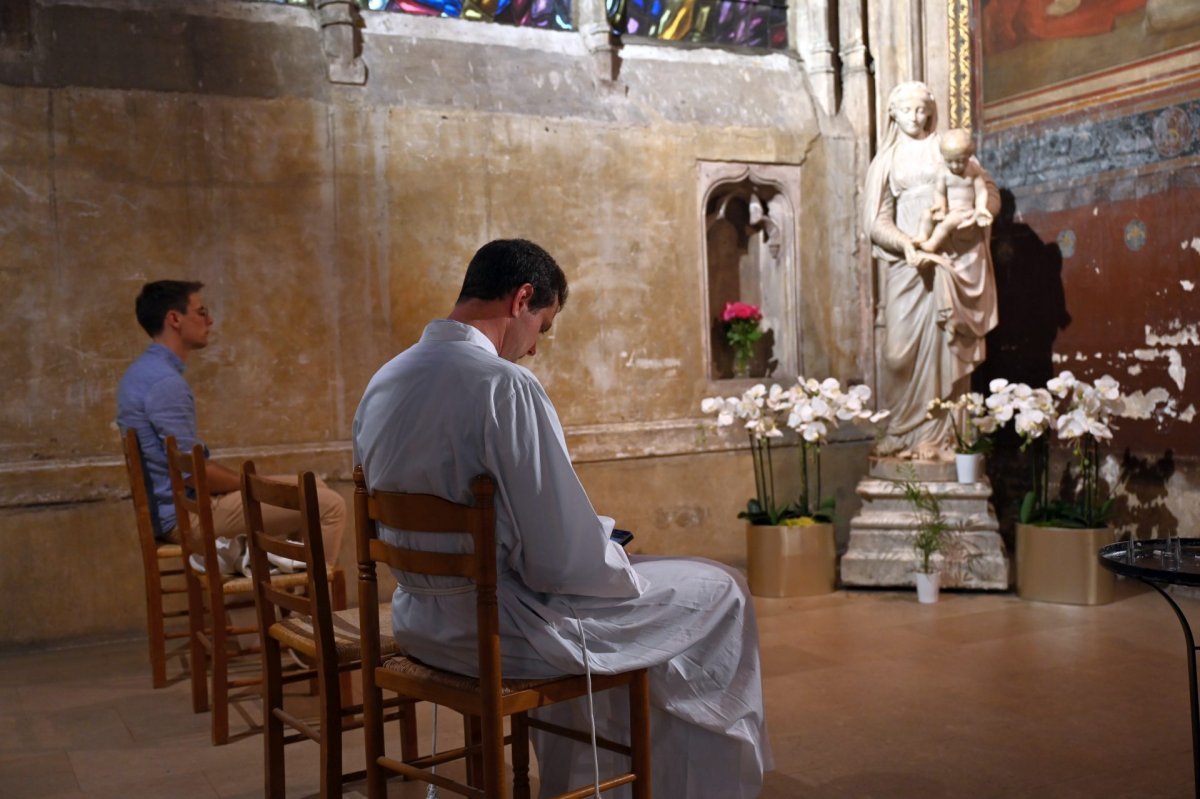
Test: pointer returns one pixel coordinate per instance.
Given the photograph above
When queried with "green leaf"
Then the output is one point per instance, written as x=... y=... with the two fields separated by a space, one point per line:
x=1027 y=507
x=825 y=512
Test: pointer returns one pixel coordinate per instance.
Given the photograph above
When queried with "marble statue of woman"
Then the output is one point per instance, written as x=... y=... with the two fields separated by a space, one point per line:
x=936 y=307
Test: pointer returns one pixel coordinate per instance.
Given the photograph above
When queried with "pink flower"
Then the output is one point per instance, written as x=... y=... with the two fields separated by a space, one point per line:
x=736 y=311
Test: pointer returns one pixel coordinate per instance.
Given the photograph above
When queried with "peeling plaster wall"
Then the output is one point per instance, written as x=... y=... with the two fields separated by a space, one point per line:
x=330 y=222
x=1097 y=267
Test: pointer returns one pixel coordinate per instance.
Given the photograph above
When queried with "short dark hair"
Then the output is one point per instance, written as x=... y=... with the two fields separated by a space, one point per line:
x=503 y=265
x=161 y=296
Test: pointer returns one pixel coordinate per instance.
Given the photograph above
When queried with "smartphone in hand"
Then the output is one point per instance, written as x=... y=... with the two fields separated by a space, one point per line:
x=622 y=537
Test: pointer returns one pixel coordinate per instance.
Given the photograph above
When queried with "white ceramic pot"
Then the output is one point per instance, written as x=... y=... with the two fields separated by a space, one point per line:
x=927 y=586
x=969 y=467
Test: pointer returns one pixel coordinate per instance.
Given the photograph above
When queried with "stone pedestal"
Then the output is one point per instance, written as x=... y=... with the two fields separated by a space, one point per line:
x=880 y=551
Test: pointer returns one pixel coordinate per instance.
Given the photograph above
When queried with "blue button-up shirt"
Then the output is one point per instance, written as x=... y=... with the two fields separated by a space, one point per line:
x=155 y=400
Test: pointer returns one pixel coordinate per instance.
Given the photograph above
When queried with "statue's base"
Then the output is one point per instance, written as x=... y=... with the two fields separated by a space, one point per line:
x=880 y=551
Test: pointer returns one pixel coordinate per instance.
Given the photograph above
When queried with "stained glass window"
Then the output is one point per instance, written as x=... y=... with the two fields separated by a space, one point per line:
x=752 y=23
x=552 y=14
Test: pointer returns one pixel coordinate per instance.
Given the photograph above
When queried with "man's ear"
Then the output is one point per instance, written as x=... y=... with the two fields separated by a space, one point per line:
x=521 y=298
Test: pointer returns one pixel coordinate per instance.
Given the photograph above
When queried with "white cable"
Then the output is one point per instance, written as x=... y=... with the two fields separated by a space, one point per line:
x=587 y=665
x=431 y=791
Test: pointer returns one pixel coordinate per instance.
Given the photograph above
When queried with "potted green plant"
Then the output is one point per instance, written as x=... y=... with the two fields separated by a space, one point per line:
x=973 y=425
x=1057 y=539
x=790 y=547
x=930 y=539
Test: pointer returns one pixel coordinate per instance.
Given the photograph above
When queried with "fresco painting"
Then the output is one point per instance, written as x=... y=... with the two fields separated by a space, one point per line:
x=1040 y=58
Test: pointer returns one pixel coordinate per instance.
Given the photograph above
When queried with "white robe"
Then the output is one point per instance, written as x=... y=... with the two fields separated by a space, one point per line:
x=450 y=408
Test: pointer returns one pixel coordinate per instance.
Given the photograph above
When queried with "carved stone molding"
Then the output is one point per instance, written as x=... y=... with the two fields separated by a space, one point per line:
x=341 y=39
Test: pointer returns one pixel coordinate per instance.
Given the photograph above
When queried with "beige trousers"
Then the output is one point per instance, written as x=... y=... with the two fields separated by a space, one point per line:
x=229 y=522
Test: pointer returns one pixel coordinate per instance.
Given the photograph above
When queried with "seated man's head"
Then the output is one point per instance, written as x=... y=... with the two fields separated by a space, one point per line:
x=174 y=310
x=526 y=281
x=957 y=147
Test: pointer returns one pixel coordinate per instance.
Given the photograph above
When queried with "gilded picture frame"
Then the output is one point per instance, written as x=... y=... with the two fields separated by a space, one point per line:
x=1038 y=60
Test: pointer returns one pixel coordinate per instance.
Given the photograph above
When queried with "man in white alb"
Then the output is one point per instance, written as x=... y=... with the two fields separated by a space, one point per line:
x=455 y=405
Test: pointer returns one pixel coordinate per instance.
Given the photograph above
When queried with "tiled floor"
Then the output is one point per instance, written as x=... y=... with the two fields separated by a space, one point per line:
x=868 y=694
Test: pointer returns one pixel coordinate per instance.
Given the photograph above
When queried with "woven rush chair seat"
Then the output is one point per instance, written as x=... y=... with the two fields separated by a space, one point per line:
x=297 y=633
x=165 y=551
x=411 y=667
x=243 y=585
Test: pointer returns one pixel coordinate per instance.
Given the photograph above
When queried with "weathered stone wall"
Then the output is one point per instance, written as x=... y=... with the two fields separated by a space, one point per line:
x=329 y=222
x=1097 y=258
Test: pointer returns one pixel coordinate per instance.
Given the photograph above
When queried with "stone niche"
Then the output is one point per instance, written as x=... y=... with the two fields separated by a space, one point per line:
x=751 y=254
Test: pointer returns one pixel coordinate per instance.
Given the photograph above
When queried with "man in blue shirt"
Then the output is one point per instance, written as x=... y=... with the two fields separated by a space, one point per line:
x=156 y=401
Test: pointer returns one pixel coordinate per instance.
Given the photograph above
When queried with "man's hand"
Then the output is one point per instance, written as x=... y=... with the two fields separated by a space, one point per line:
x=220 y=479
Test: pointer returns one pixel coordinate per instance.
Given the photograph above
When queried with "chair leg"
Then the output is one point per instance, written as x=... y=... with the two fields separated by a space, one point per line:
x=373 y=734
x=198 y=656
x=220 y=678
x=273 y=755
x=409 y=745
x=331 y=733
x=337 y=590
x=639 y=733
x=155 y=630
x=520 y=755
x=473 y=740
x=492 y=737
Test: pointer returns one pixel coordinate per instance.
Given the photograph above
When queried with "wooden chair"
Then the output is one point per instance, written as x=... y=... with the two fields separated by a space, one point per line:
x=162 y=567
x=308 y=625
x=214 y=644
x=486 y=701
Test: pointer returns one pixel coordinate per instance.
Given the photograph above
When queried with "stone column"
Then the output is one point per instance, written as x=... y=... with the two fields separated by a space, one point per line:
x=811 y=32
x=590 y=18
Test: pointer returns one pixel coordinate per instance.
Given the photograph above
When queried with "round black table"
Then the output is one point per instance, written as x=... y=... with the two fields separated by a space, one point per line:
x=1143 y=560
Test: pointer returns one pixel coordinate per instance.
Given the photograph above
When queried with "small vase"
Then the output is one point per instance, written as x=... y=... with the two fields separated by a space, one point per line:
x=969 y=467
x=927 y=586
x=741 y=362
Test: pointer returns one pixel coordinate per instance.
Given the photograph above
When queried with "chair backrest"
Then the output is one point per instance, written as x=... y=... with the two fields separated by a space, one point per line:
x=186 y=470
x=140 y=492
x=268 y=599
x=429 y=514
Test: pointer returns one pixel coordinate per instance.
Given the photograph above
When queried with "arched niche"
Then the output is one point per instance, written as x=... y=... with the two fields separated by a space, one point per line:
x=751 y=254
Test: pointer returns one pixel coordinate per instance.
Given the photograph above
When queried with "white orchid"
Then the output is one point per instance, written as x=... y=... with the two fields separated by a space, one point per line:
x=815 y=432
x=1108 y=388
x=1061 y=386
x=1079 y=412
x=1091 y=406
x=1031 y=423
x=811 y=408
x=971 y=417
